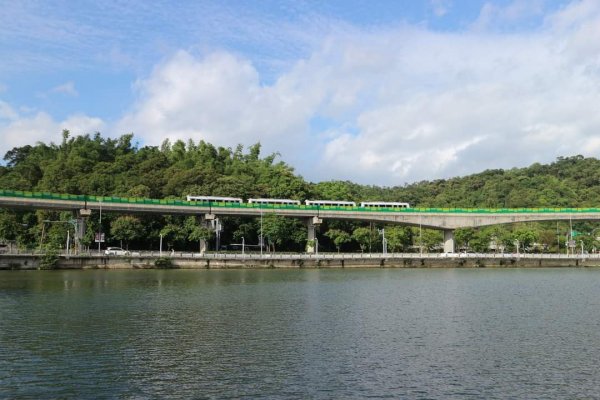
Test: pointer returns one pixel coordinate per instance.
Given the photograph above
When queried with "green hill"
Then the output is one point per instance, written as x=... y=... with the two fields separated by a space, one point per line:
x=101 y=166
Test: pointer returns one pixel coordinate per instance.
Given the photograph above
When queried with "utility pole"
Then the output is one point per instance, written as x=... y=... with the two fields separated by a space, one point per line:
x=100 y=228
x=160 y=246
x=420 y=237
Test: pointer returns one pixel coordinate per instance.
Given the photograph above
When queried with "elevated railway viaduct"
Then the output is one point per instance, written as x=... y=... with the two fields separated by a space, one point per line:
x=445 y=219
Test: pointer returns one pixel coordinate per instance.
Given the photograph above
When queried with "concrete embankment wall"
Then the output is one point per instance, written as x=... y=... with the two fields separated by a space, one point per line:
x=29 y=262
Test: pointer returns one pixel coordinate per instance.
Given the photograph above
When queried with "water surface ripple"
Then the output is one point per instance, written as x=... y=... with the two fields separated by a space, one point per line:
x=380 y=333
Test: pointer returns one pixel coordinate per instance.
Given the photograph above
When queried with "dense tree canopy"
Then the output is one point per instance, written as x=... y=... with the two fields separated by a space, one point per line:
x=95 y=165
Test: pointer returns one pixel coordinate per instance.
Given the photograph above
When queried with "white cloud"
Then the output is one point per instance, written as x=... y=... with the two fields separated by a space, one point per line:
x=493 y=15
x=399 y=105
x=574 y=15
x=218 y=99
x=7 y=112
x=67 y=88
x=382 y=107
x=19 y=130
x=440 y=7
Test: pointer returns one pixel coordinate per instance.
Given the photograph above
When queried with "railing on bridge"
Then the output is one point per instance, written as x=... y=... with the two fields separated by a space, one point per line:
x=320 y=256
x=176 y=202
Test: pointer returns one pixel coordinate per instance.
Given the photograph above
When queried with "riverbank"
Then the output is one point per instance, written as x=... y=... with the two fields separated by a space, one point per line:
x=236 y=261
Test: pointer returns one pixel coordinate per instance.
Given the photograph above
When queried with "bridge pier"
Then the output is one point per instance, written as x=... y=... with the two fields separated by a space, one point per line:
x=79 y=223
x=449 y=241
x=312 y=243
x=207 y=221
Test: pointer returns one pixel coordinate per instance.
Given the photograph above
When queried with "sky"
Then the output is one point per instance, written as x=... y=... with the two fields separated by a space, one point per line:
x=383 y=93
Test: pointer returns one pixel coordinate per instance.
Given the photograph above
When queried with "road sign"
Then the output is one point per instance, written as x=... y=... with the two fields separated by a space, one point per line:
x=99 y=238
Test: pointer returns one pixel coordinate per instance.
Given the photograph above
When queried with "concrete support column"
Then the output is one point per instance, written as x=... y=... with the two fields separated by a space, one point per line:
x=80 y=218
x=449 y=241
x=207 y=221
x=81 y=223
x=311 y=243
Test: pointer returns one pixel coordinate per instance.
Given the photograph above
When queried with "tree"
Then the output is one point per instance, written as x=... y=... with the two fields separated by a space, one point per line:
x=8 y=226
x=173 y=233
x=126 y=228
x=431 y=239
x=279 y=230
x=197 y=232
x=338 y=237
x=480 y=242
x=526 y=237
x=337 y=190
x=365 y=237
x=95 y=165
x=463 y=237
x=398 y=238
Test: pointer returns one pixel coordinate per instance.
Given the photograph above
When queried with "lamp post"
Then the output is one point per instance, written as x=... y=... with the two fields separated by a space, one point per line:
x=261 y=231
x=383 y=240
x=243 y=244
x=160 y=244
x=420 y=236
x=557 y=239
x=100 y=228
x=571 y=235
x=316 y=246
x=384 y=245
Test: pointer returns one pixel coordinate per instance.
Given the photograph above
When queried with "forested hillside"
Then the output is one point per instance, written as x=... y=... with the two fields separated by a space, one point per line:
x=101 y=166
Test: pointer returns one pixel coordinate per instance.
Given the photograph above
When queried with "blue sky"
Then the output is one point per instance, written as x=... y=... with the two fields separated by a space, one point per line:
x=383 y=92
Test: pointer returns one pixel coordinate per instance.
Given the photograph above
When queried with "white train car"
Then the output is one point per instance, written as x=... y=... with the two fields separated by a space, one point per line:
x=275 y=201
x=384 y=204
x=334 y=203
x=215 y=199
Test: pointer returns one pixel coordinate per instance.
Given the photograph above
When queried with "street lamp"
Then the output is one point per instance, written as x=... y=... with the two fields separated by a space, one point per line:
x=383 y=241
x=69 y=242
x=243 y=244
x=261 y=231
x=160 y=244
x=100 y=228
x=420 y=236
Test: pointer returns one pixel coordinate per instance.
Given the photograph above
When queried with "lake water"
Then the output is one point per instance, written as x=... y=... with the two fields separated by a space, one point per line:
x=380 y=333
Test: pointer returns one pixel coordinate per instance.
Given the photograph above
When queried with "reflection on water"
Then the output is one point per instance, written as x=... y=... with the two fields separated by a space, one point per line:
x=300 y=333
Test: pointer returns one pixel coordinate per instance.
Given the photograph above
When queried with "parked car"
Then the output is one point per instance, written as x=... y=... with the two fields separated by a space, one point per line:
x=116 y=251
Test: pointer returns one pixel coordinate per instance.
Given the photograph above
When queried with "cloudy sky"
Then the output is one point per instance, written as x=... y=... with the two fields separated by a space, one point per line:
x=384 y=92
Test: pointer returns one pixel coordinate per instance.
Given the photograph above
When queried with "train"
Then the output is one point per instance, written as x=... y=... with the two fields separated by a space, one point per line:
x=326 y=203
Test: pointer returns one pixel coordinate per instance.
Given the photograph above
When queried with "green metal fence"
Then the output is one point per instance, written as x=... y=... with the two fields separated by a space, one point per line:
x=176 y=202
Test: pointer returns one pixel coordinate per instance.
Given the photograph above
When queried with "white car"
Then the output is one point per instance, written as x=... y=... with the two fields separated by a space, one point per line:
x=116 y=251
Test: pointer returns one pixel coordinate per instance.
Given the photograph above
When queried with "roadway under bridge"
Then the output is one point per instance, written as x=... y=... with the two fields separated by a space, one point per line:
x=445 y=221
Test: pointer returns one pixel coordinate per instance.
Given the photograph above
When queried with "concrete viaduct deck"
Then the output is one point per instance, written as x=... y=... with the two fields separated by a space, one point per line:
x=445 y=221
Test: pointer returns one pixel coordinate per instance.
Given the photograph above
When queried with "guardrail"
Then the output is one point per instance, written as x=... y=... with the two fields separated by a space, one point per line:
x=321 y=256
x=176 y=202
